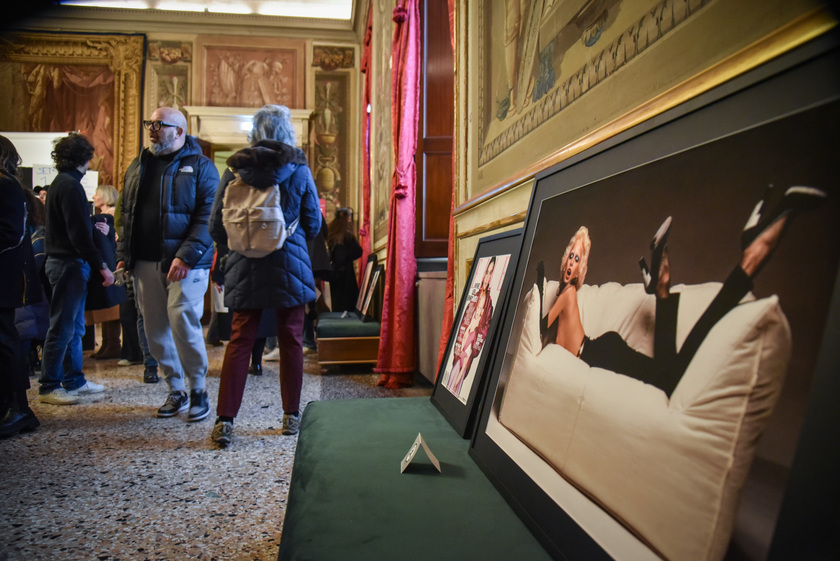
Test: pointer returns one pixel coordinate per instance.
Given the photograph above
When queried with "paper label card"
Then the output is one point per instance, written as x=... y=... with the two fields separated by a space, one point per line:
x=413 y=451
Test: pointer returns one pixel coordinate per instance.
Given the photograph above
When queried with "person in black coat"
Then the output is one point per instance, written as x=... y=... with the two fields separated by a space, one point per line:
x=344 y=250
x=19 y=280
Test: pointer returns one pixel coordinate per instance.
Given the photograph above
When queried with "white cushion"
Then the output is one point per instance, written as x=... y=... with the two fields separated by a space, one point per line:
x=670 y=470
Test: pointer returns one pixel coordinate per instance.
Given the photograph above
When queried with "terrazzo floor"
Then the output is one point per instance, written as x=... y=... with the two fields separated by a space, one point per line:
x=106 y=480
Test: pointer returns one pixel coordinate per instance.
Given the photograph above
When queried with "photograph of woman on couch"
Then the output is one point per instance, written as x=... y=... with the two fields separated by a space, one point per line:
x=563 y=326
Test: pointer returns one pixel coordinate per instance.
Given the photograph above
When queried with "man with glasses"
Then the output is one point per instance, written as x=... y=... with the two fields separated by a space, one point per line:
x=164 y=243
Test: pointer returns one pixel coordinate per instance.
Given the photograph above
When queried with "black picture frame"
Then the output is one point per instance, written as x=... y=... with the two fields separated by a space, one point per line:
x=461 y=408
x=366 y=285
x=715 y=153
x=372 y=286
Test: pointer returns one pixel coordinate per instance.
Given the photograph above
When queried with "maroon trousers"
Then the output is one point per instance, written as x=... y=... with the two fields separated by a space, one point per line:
x=244 y=327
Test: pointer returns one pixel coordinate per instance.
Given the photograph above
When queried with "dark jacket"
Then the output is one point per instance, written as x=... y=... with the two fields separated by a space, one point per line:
x=344 y=290
x=19 y=281
x=68 y=229
x=282 y=279
x=187 y=189
x=102 y=297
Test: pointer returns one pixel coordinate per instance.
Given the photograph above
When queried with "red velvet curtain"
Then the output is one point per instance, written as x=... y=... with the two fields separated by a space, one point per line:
x=397 y=345
x=364 y=230
x=449 y=297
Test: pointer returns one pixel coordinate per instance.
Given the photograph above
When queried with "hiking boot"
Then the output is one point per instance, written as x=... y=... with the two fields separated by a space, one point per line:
x=150 y=375
x=291 y=423
x=175 y=403
x=222 y=433
x=59 y=396
x=87 y=388
x=199 y=406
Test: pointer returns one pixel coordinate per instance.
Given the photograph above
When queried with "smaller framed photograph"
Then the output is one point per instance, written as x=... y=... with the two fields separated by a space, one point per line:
x=363 y=288
x=461 y=375
x=371 y=289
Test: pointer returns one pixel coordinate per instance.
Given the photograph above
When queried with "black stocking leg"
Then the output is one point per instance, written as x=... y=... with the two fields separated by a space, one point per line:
x=736 y=286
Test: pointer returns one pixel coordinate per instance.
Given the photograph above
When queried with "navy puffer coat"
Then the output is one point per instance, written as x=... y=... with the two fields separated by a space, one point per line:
x=187 y=188
x=282 y=279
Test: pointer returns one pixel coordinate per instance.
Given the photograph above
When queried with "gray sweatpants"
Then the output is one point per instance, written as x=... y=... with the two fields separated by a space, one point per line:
x=172 y=315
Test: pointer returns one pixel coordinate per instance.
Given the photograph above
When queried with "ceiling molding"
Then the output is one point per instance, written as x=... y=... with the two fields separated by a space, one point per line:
x=83 y=18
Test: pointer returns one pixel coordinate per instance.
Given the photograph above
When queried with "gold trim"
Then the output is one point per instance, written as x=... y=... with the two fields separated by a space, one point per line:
x=794 y=34
x=123 y=54
x=517 y=218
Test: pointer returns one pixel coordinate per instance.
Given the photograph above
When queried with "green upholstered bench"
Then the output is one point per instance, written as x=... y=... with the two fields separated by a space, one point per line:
x=348 y=499
x=353 y=337
x=346 y=340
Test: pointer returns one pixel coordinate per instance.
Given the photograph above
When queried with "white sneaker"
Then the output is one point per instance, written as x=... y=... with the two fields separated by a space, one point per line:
x=59 y=396
x=273 y=356
x=88 y=387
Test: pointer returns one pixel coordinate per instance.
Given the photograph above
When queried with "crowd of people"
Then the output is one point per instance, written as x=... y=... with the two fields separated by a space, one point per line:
x=139 y=266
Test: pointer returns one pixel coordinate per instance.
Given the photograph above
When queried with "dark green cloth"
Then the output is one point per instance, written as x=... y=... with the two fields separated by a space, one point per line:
x=351 y=326
x=348 y=499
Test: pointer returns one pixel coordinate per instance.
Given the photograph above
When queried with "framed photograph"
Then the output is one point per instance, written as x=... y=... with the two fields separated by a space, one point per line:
x=684 y=406
x=364 y=288
x=371 y=290
x=461 y=376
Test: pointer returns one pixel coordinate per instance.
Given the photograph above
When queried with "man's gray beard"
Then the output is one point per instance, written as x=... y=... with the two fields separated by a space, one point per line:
x=157 y=148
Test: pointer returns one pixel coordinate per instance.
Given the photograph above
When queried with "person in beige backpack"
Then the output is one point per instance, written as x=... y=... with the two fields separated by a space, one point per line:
x=280 y=283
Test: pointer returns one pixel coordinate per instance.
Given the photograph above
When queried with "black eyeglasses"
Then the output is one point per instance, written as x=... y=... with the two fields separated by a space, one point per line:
x=155 y=125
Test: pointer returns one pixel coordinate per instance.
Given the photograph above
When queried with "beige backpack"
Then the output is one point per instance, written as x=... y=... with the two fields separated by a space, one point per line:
x=253 y=219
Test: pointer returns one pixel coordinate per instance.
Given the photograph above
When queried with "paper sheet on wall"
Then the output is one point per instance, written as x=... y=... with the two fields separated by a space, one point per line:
x=43 y=174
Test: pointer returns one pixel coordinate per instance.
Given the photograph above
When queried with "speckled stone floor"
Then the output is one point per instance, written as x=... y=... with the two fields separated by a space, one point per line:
x=106 y=480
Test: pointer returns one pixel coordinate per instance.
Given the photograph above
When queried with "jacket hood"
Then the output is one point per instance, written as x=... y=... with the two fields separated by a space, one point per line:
x=265 y=163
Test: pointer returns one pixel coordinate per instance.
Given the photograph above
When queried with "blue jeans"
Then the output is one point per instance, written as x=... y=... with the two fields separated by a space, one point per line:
x=62 y=361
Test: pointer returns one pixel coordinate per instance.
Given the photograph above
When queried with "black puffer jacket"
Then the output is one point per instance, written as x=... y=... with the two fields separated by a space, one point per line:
x=187 y=189
x=282 y=279
x=18 y=276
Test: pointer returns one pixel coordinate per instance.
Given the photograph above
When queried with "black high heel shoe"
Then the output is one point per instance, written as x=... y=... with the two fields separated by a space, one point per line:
x=650 y=277
x=255 y=370
x=778 y=203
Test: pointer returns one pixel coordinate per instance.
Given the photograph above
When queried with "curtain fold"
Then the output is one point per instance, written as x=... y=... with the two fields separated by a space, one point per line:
x=75 y=97
x=364 y=229
x=449 y=295
x=398 y=342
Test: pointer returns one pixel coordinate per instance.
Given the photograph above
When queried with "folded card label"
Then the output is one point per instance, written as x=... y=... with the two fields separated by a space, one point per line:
x=413 y=451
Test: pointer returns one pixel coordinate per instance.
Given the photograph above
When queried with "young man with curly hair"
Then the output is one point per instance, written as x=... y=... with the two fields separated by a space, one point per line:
x=71 y=256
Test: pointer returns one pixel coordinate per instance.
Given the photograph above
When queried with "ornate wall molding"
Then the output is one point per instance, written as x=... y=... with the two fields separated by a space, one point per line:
x=122 y=54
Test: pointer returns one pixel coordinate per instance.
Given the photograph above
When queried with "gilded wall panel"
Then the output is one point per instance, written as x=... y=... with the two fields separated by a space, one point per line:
x=86 y=82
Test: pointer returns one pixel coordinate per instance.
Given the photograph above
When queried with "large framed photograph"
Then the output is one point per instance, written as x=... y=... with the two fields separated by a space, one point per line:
x=681 y=407
x=462 y=371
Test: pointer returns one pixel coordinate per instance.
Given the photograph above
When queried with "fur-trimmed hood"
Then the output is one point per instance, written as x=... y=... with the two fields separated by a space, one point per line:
x=266 y=163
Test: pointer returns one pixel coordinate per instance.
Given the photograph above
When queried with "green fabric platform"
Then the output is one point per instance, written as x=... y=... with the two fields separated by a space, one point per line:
x=349 y=501
x=329 y=328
